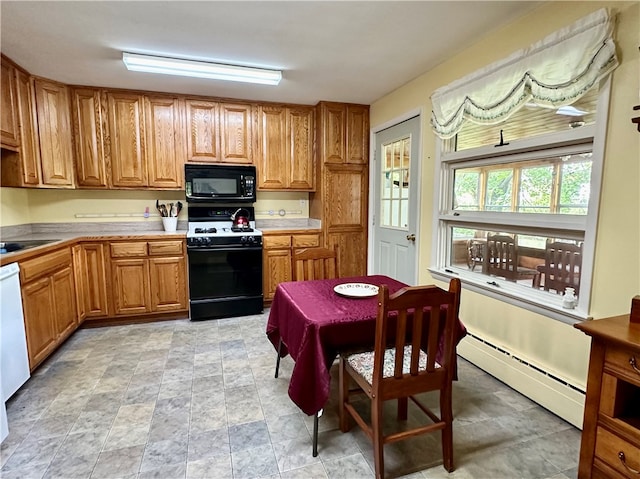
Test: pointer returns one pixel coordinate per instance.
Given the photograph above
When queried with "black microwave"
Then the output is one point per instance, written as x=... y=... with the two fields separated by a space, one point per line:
x=220 y=183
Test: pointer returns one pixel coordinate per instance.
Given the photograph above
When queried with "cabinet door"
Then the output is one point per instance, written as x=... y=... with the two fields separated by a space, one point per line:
x=300 y=153
x=65 y=303
x=131 y=286
x=165 y=142
x=8 y=108
x=352 y=250
x=38 y=305
x=236 y=141
x=54 y=130
x=29 y=145
x=126 y=127
x=203 y=131
x=357 y=134
x=333 y=117
x=94 y=280
x=346 y=197
x=273 y=171
x=88 y=127
x=276 y=269
x=168 y=284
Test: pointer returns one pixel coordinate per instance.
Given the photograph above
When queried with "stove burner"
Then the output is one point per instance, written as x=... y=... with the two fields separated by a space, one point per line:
x=240 y=229
x=206 y=230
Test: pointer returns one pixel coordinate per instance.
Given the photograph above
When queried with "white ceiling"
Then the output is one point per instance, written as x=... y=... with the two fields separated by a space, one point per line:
x=339 y=51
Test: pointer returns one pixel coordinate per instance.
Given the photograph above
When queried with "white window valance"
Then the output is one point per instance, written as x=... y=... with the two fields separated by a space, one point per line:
x=553 y=72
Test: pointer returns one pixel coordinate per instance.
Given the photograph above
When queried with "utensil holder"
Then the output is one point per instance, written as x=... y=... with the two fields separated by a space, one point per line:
x=170 y=223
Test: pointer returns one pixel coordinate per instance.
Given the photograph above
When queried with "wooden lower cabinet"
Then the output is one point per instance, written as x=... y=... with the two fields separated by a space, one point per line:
x=90 y=262
x=148 y=277
x=49 y=302
x=131 y=286
x=278 y=257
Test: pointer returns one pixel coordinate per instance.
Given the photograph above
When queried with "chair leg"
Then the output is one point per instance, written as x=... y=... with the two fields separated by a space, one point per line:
x=378 y=444
x=446 y=414
x=315 y=435
x=343 y=396
x=278 y=358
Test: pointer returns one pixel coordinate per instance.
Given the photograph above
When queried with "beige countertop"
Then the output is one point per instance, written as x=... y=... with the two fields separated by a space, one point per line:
x=62 y=234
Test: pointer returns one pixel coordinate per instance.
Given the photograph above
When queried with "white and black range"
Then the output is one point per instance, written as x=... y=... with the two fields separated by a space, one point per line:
x=224 y=248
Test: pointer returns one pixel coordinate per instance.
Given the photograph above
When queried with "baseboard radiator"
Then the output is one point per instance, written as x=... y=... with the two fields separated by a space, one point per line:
x=550 y=391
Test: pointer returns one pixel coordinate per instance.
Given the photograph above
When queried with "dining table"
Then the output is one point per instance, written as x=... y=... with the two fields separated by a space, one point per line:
x=311 y=322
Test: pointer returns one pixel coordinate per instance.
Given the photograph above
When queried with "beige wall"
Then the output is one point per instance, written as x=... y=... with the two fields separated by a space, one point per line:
x=558 y=347
x=21 y=205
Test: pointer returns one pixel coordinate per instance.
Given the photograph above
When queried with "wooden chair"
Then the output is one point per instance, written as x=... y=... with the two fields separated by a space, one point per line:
x=501 y=259
x=382 y=374
x=308 y=264
x=315 y=263
x=561 y=268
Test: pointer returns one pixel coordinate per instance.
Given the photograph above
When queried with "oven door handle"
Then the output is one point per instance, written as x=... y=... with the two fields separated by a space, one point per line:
x=222 y=249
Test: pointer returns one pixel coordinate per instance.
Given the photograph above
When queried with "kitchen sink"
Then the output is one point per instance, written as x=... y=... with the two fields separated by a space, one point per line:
x=18 y=245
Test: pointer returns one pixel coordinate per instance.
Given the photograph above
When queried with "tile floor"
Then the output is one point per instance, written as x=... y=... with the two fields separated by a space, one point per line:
x=181 y=399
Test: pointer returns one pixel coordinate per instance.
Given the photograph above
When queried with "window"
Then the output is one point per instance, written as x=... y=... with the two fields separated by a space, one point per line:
x=517 y=216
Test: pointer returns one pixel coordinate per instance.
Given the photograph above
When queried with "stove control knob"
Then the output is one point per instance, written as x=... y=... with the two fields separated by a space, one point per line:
x=243 y=239
x=251 y=239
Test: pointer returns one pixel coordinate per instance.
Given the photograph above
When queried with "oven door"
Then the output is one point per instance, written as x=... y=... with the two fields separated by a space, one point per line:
x=225 y=281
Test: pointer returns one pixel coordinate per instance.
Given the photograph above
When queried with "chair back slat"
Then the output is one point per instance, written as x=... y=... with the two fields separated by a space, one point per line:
x=416 y=340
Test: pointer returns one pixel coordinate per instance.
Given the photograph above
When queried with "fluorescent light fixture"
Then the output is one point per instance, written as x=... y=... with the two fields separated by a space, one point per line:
x=198 y=69
x=570 y=111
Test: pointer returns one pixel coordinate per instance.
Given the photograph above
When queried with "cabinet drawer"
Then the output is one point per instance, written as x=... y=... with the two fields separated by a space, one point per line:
x=128 y=249
x=279 y=241
x=609 y=448
x=623 y=362
x=33 y=268
x=164 y=248
x=306 y=241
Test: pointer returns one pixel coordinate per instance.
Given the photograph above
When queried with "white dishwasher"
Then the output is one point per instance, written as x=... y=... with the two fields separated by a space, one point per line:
x=14 y=362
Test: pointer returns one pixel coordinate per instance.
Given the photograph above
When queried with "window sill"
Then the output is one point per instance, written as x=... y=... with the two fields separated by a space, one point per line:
x=539 y=302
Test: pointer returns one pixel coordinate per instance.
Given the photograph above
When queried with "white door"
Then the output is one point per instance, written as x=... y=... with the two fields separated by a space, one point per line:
x=396 y=188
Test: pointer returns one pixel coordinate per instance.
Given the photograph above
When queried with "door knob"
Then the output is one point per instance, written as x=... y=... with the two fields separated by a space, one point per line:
x=411 y=237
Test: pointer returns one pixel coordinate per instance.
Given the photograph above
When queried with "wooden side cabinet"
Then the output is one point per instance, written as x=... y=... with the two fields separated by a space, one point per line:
x=9 y=136
x=610 y=444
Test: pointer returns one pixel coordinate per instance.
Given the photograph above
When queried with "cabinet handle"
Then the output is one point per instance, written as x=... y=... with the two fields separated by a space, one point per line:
x=622 y=460
x=632 y=362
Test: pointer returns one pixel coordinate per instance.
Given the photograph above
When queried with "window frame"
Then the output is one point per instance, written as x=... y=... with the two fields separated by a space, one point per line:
x=583 y=227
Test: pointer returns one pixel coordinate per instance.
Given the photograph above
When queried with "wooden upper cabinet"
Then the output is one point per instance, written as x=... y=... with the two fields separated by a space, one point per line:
x=286 y=160
x=203 y=131
x=332 y=118
x=29 y=145
x=300 y=148
x=237 y=133
x=54 y=127
x=127 y=128
x=357 y=134
x=273 y=164
x=88 y=128
x=345 y=131
x=166 y=151
x=9 y=136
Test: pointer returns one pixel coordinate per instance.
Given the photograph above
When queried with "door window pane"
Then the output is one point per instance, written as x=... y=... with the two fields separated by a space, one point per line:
x=394 y=196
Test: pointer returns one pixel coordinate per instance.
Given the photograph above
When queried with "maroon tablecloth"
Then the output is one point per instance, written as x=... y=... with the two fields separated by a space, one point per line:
x=315 y=323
